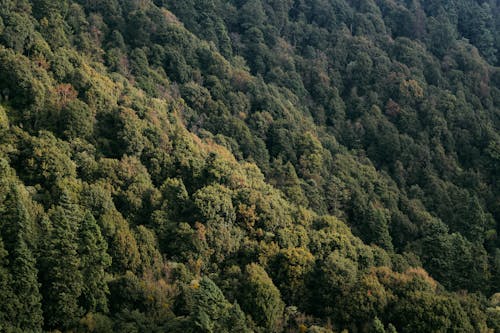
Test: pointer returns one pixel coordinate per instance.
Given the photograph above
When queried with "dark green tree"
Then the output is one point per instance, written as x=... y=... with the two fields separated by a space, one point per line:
x=7 y=308
x=94 y=261
x=25 y=285
x=261 y=299
x=213 y=313
x=62 y=281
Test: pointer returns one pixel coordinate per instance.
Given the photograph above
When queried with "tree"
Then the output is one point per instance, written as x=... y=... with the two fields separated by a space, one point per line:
x=19 y=227
x=122 y=243
x=470 y=219
x=290 y=270
x=145 y=133
x=151 y=258
x=261 y=299
x=94 y=261
x=176 y=197
x=441 y=35
x=18 y=220
x=18 y=33
x=49 y=8
x=214 y=202
x=52 y=162
x=425 y=312
x=286 y=179
x=332 y=280
x=377 y=326
x=76 y=120
x=366 y=300
x=251 y=15
x=213 y=313
x=7 y=310
x=62 y=281
x=25 y=286
x=19 y=87
x=4 y=121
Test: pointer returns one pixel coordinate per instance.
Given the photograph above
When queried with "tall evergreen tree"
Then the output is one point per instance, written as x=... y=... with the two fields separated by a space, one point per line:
x=94 y=260
x=25 y=285
x=61 y=278
x=18 y=227
x=6 y=294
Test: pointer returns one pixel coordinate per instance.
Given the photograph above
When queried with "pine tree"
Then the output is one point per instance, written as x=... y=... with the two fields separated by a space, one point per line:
x=213 y=313
x=26 y=288
x=236 y=321
x=15 y=217
x=210 y=306
x=61 y=279
x=6 y=308
x=94 y=262
x=18 y=227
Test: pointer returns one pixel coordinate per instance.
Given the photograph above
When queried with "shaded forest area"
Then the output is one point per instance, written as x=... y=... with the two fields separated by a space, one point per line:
x=248 y=166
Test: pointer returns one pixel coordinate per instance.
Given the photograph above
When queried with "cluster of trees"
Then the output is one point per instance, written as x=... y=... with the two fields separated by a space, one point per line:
x=249 y=166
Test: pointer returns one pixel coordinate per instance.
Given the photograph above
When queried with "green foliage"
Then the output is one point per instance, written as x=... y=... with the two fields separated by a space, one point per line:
x=19 y=83
x=424 y=312
x=151 y=259
x=6 y=308
x=45 y=159
x=336 y=276
x=122 y=243
x=25 y=286
x=214 y=203
x=213 y=313
x=291 y=267
x=4 y=120
x=94 y=261
x=62 y=281
x=261 y=299
x=164 y=162
x=76 y=120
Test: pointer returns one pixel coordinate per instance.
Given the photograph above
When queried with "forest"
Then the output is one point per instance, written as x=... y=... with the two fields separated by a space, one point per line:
x=267 y=166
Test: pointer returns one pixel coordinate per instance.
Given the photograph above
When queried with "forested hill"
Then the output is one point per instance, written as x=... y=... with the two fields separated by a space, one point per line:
x=311 y=166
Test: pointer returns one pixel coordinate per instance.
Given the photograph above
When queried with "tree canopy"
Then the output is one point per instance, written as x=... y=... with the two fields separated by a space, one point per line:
x=249 y=166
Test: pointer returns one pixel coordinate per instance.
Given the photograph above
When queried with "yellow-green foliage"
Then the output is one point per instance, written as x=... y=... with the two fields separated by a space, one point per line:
x=4 y=120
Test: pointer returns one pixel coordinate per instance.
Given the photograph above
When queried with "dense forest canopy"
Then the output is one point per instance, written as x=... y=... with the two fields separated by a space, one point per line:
x=250 y=166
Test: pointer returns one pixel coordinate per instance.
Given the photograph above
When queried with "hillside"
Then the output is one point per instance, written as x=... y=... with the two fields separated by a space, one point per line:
x=249 y=166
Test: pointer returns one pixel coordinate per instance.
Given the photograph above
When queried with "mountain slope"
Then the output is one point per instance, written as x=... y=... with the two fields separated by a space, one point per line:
x=239 y=166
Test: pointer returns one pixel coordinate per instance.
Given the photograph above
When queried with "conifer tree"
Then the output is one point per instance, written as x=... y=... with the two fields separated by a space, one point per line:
x=18 y=227
x=94 y=260
x=61 y=278
x=6 y=307
x=26 y=288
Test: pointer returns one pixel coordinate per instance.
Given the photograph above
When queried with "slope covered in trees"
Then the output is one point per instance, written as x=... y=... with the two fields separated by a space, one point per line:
x=249 y=166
